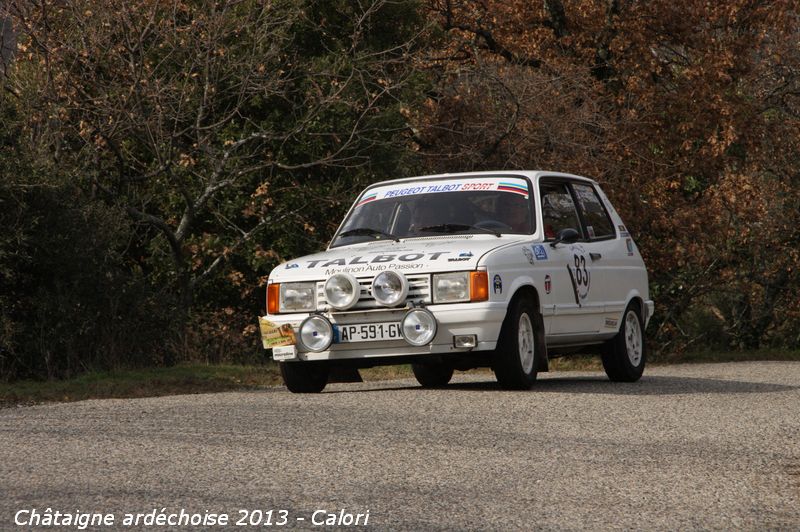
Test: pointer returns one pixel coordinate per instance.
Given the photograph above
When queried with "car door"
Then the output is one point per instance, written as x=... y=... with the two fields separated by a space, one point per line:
x=625 y=268
x=571 y=293
x=605 y=251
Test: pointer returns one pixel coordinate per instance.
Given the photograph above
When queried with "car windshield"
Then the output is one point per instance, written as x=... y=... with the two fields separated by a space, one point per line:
x=481 y=205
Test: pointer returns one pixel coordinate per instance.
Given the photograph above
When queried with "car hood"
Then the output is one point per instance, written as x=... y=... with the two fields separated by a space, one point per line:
x=417 y=255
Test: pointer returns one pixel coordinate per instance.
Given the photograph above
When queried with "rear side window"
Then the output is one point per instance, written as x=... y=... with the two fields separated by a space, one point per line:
x=598 y=224
x=558 y=210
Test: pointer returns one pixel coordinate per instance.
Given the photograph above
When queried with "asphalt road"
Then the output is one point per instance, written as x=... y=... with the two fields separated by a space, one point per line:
x=713 y=446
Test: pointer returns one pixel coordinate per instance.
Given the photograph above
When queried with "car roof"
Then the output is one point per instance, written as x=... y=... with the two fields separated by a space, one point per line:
x=531 y=174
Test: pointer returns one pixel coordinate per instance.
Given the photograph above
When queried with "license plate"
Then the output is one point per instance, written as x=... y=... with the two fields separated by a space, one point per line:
x=368 y=332
x=288 y=352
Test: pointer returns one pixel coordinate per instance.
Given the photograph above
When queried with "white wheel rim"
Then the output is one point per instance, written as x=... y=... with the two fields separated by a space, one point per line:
x=633 y=338
x=525 y=343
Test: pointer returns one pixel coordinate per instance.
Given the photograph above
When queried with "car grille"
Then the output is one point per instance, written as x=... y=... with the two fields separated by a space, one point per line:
x=419 y=291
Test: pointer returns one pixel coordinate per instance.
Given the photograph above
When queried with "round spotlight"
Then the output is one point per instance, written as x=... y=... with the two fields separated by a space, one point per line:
x=316 y=333
x=342 y=291
x=418 y=327
x=390 y=288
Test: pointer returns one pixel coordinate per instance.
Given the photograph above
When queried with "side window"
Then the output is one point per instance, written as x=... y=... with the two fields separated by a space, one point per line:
x=598 y=224
x=558 y=210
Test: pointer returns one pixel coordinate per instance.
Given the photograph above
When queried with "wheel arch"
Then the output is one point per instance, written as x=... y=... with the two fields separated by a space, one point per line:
x=636 y=298
x=529 y=291
x=638 y=301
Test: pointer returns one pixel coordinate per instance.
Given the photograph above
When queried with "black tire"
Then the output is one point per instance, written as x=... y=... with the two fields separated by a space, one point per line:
x=516 y=368
x=625 y=355
x=432 y=374
x=305 y=377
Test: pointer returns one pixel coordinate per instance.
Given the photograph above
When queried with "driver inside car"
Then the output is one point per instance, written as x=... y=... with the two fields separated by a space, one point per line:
x=426 y=214
x=437 y=211
x=512 y=209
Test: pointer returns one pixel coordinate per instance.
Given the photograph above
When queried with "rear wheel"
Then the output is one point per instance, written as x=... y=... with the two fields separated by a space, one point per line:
x=625 y=355
x=432 y=374
x=520 y=345
x=305 y=377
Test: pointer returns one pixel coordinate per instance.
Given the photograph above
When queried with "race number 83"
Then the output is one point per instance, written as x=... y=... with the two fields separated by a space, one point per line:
x=582 y=275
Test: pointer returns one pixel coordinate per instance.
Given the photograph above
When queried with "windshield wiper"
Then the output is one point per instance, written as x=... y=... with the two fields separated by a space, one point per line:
x=368 y=231
x=453 y=228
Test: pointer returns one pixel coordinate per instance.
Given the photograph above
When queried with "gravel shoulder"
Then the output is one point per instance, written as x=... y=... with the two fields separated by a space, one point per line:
x=712 y=446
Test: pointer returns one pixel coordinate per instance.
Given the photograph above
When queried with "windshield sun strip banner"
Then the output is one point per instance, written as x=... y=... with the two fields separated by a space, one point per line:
x=504 y=184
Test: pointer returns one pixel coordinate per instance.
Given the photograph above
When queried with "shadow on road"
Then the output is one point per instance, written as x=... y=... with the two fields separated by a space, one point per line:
x=657 y=385
x=648 y=385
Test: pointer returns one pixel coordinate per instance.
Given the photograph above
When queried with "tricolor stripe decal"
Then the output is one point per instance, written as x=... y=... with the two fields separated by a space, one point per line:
x=367 y=199
x=513 y=187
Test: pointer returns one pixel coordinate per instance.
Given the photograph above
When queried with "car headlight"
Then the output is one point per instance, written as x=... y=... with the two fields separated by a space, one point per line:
x=390 y=288
x=342 y=291
x=451 y=287
x=316 y=333
x=298 y=297
x=418 y=327
x=460 y=287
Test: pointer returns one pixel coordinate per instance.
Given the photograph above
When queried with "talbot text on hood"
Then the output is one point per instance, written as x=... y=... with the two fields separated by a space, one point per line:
x=377 y=259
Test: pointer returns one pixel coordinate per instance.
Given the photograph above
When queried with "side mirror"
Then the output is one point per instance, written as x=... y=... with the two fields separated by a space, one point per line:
x=567 y=235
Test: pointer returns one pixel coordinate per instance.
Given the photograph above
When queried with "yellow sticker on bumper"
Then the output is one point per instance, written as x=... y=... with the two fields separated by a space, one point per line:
x=274 y=335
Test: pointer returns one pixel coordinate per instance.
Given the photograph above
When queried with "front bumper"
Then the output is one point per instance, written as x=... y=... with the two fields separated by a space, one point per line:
x=483 y=320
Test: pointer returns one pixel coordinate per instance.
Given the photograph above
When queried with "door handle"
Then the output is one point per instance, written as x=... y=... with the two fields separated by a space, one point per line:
x=595 y=256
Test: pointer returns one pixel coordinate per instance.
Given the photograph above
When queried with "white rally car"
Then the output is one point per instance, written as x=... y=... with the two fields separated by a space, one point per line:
x=457 y=271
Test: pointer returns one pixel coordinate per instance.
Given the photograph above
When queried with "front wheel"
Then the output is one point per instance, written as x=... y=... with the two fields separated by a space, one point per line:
x=624 y=355
x=305 y=377
x=520 y=345
x=432 y=374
